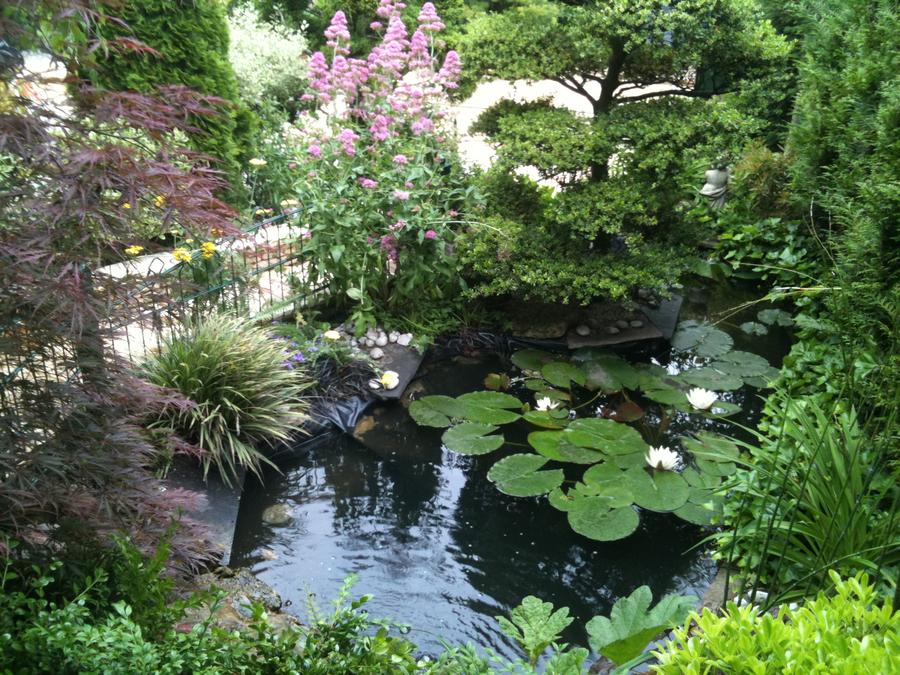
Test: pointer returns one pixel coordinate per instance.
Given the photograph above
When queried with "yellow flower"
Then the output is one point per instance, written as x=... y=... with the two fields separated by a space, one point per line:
x=126 y=205
x=256 y=161
x=159 y=201
x=331 y=335
x=181 y=255
x=263 y=212
x=134 y=250
x=188 y=241
x=207 y=249
x=389 y=379
x=289 y=202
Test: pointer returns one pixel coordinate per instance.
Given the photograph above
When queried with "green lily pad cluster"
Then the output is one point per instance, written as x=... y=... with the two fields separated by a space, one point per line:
x=604 y=503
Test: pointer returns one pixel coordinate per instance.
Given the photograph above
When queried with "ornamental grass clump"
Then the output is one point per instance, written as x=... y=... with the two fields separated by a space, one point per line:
x=244 y=397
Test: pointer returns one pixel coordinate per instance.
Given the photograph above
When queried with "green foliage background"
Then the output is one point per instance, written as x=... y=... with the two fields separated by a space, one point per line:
x=192 y=39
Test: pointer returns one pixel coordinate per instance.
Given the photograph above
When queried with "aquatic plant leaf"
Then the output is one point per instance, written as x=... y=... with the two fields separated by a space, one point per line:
x=698 y=479
x=591 y=517
x=775 y=317
x=603 y=475
x=710 y=378
x=629 y=461
x=716 y=468
x=657 y=490
x=570 y=662
x=531 y=359
x=606 y=435
x=562 y=374
x=754 y=328
x=436 y=411
x=711 y=447
x=628 y=411
x=535 y=626
x=765 y=380
x=535 y=384
x=559 y=500
x=518 y=475
x=632 y=624
x=472 y=438
x=555 y=445
x=543 y=418
x=554 y=395
x=497 y=381
x=490 y=407
x=696 y=514
x=742 y=364
x=610 y=373
x=720 y=409
x=668 y=396
x=702 y=339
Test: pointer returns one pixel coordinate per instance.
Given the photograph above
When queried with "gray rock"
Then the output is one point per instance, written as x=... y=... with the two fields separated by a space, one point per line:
x=370 y=342
x=376 y=353
x=277 y=515
x=371 y=334
x=622 y=324
x=637 y=323
x=643 y=293
x=381 y=341
x=361 y=341
x=612 y=330
x=583 y=330
x=392 y=336
x=404 y=339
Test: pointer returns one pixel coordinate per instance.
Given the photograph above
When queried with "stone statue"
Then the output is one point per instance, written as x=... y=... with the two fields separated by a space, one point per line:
x=716 y=184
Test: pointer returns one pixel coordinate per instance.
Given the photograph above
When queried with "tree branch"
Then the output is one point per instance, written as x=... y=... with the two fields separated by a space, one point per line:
x=687 y=93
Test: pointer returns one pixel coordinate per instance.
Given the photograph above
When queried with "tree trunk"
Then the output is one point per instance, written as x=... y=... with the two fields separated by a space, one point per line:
x=599 y=167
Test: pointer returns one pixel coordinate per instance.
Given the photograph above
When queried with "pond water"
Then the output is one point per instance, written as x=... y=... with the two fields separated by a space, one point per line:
x=437 y=544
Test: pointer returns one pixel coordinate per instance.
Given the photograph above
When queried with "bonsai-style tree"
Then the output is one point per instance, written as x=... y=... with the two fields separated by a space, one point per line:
x=651 y=75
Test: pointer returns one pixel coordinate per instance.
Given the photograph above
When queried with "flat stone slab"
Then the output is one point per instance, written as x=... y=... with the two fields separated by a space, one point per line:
x=404 y=361
x=219 y=503
x=665 y=315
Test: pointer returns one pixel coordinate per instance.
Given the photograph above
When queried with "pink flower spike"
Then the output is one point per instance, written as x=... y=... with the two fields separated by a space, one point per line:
x=376 y=25
x=430 y=234
x=338 y=31
x=429 y=19
x=449 y=73
x=401 y=195
x=400 y=159
x=368 y=183
x=408 y=185
x=315 y=151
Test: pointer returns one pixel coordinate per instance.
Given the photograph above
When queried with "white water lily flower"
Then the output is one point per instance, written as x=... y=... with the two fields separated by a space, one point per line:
x=702 y=399
x=546 y=403
x=662 y=458
x=332 y=335
x=389 y=379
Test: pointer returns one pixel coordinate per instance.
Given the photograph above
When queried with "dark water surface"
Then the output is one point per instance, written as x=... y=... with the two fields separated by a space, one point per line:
x=438 y=546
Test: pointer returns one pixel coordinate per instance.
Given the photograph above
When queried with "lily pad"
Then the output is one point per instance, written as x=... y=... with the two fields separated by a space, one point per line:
x=535 y=383
x=775 y=317
x=531 y=359
x=472 y=438
x=716 y=468
x=592 y=518
x=553 y=445
x=628 y=411
x=667 y=395
x=610 y=373
x=710 y=378
x=702 y=339
x=606 y=435
x=562 y=374
x=518 y=475
x=742 y=364
x=711 y=447
x=754 y=328
x=544 y=419
x=657 y=490
x=436 y=411
x=763 y=381
x=497 y=381
x=490 y=407
x=696 y=513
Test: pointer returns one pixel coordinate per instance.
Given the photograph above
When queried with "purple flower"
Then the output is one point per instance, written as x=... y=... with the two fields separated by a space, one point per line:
x=376 y=25
x=430 y=234
x=298 y=357
x=421 y=126
x=449 y=73
x=347 y=138
x=419 y=56
x=400 y=159
x=288 y=364
x=315 y=150
x=338 y=31
x=399 y=225
x=401 y=195
x=368 y=183
x=408 y=185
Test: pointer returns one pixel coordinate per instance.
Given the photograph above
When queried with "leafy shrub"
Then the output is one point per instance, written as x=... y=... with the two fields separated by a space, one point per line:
x=813 y=498
x=269 y=60
x=379 y=182
x=244 y=396
x=189 y=48
x=848 y=632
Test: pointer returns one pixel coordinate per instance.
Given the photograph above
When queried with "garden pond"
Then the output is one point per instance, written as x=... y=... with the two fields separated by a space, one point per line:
x=437 y=537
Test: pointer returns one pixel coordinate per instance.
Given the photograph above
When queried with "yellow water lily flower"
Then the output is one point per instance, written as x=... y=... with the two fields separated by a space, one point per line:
x=256 y=161
x=207 y=249
x=134 y=250
x=181 y=255
x=331 y=335
x=389 y=379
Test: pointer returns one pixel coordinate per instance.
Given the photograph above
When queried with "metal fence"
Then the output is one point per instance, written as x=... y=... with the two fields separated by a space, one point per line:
x=264 y=273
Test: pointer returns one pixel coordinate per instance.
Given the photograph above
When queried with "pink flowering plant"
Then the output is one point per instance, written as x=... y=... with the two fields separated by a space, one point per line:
x=379 y=181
